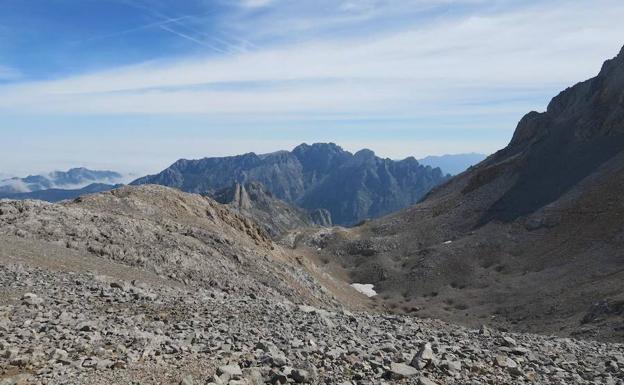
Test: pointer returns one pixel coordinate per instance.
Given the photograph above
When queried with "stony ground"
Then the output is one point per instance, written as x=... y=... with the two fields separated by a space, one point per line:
x=75 y=328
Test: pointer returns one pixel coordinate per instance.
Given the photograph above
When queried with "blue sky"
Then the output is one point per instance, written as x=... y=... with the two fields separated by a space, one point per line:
x=134 y=85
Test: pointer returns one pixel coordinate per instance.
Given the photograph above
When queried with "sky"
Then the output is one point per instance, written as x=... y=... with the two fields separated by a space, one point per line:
x=133 y=85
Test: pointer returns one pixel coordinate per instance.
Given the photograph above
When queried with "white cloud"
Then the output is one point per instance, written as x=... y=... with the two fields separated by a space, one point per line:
x=15 y=185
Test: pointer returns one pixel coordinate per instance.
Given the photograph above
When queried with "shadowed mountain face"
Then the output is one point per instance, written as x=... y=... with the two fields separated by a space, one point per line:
x=582 y=129
x=351 y=187
x=75 y=178
x=530 y=239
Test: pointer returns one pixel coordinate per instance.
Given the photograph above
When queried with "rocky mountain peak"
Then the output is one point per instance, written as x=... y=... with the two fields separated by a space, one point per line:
x=584 y=111
x=364 y=155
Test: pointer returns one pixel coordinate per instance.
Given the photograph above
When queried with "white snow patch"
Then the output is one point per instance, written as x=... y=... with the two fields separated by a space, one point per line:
x=365 y=288
x=448 y=242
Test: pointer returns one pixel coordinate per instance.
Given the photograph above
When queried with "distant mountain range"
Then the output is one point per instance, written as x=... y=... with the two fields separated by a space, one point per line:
x=352 y=187
x=75 y=178
x=57 y=195
x=453 y=163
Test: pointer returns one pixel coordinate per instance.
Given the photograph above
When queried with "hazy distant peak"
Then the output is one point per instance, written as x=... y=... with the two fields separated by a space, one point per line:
x=365 y=153
x=453 y=163
x=74 y=178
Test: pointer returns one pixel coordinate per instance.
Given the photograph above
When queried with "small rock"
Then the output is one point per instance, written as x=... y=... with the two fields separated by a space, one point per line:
x=508 y=341
x=278 y=378
x=424 y=357
x=31 y=299
x=228 y=372
x=425 y=381
x=505 y=362
x=451 y=366
x=399 y=371
x=300 y=376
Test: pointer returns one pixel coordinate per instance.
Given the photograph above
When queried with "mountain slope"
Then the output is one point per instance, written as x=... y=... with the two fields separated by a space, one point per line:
x=453 y=163
x=351 y=187
x=74 y=178
x=161 y=230
x=530 y=239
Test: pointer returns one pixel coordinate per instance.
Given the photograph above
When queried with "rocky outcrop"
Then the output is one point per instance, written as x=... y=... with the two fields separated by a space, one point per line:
x=274 y=215
x=321 y=217
x=352 y=187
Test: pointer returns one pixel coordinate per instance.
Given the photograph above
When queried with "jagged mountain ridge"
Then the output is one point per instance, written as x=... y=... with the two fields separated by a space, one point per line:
x=351 y=187
x=529 y=239
x=276 y=216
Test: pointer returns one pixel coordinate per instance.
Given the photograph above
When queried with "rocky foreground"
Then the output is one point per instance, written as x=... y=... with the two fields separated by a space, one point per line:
x=76 y=328
x=148 y=285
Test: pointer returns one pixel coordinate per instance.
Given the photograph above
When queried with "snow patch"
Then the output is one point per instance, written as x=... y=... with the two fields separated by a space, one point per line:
x=365 y=288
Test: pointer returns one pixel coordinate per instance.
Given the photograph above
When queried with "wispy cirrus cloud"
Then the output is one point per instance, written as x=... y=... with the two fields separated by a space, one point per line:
x=454 y=62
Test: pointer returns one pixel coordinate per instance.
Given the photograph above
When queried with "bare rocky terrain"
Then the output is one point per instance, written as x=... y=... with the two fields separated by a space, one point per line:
x=148 y=285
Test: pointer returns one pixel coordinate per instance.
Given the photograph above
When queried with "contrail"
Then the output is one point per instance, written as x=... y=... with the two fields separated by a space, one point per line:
x=134 y=29
x=229 y=45
x=191 y=38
